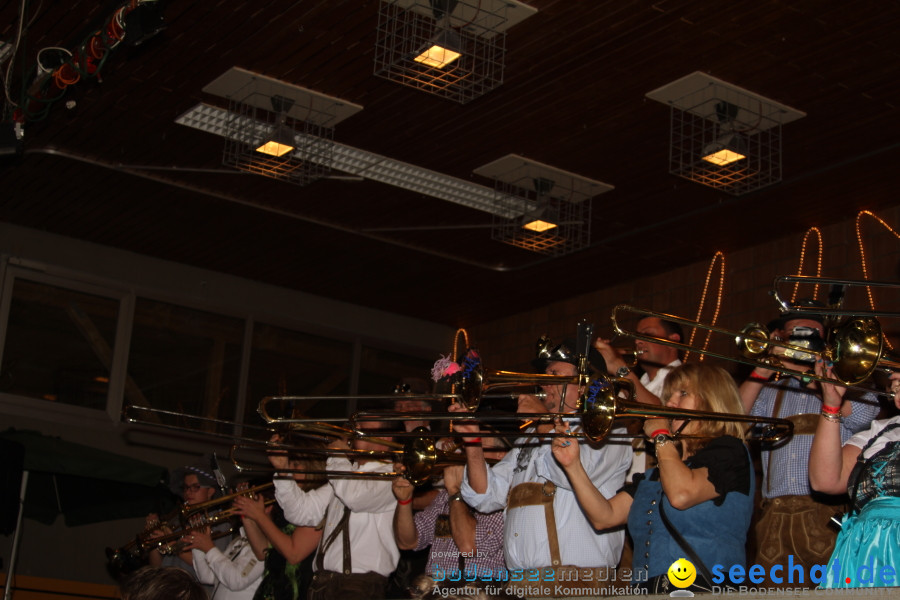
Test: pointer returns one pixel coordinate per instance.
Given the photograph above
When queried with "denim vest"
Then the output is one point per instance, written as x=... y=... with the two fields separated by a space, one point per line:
x=717 y=534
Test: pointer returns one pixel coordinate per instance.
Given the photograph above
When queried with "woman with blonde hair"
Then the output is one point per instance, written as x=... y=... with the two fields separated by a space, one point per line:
x=697 y=503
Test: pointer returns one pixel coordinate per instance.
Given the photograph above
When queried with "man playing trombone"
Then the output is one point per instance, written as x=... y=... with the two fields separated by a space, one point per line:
x=794 y=521
x=462 y=541
x=544 y=527
x=357 y=552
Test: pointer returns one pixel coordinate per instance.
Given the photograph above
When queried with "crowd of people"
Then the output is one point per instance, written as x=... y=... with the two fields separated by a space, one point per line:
x=553 y=513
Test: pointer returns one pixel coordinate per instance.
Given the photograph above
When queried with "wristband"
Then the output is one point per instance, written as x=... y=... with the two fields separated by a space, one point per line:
x=472 y=441
x=831 y=410
x=755 y=376
x=660 y=431
x=404 y=502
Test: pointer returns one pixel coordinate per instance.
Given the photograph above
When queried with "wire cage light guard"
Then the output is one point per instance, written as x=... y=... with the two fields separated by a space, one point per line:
x=719 y=118
x=565 y=208
x=406 y=28
x=249 y=126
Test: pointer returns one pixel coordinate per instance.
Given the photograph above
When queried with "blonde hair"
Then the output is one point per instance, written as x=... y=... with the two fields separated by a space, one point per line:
x=716 y=392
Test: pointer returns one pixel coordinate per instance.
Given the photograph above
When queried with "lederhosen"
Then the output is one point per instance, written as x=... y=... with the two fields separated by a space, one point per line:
x=329 y=585
x=543 y=494
x=794 y=525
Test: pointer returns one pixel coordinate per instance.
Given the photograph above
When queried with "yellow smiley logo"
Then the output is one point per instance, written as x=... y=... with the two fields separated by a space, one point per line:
x=682 y=573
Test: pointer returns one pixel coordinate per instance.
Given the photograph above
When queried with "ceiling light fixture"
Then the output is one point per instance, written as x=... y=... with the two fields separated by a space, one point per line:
x=279 y=143
x=362 y=163
x=725 y=150
x=554 y=205
x=281 y=140
x=451 y=48
x=724 y=136
x=539 y=225
x=277 y=129
x=442 y=50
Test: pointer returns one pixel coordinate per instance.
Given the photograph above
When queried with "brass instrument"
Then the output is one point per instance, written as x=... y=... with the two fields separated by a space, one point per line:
x=189 y=510
x=838 y=311
x=600 y=405
x=172 y=543
x=129 y=557
x=607 y=408
x=198 y=516
x=316 y=429
x=420 y=459
x=470 y=397
x=855 y=348
x=631 y=357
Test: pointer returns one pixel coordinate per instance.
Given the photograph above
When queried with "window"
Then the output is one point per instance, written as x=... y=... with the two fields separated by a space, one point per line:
x=59 y=344
x=184 y=360
x=290 y=363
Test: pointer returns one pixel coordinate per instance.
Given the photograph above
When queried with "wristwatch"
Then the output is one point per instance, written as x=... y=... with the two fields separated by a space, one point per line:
x=456 y=496
x=661 y=439
x=623 y=372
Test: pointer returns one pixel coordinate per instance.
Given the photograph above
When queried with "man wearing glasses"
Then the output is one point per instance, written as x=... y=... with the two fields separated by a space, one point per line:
x=197 y=485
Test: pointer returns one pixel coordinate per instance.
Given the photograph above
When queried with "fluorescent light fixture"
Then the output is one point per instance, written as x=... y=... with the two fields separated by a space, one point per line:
x=437 y=57
x=354 y=161
x=539 y=226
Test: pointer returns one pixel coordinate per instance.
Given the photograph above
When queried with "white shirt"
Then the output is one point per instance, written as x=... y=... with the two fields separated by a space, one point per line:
x=235 y=574
x=371 y=503
x=526 y=543
x=862 y=438
x=655 y=387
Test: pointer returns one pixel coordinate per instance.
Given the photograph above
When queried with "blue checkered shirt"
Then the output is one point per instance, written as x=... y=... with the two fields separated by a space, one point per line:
x=790 y=462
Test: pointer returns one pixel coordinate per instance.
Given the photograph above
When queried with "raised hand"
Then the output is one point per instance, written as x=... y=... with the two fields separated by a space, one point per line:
x=565 y=450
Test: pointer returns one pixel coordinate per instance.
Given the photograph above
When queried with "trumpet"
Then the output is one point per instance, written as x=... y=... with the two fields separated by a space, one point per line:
x=198 y=516
x=855 y=351
x=172 y=544
x=129 y=557
x=190 y=510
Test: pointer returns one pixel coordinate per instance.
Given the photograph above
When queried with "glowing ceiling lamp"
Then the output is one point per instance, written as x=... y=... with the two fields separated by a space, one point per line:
x=539 y=225
x=539 y=207
x=723 y=136
x=727 y=149
x=455 y=49
x=279 y=143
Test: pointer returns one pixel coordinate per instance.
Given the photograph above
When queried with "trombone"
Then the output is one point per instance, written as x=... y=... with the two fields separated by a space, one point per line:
x=470 y=396
x=599 y=405
x=856 y=349
x=420 y=458
x=834 y=311
x=313 y=429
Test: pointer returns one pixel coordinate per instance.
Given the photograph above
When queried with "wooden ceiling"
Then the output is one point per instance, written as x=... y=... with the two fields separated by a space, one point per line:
x=108 y=164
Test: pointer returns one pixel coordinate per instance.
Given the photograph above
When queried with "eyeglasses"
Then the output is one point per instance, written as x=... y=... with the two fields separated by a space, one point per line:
x=194 y=488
